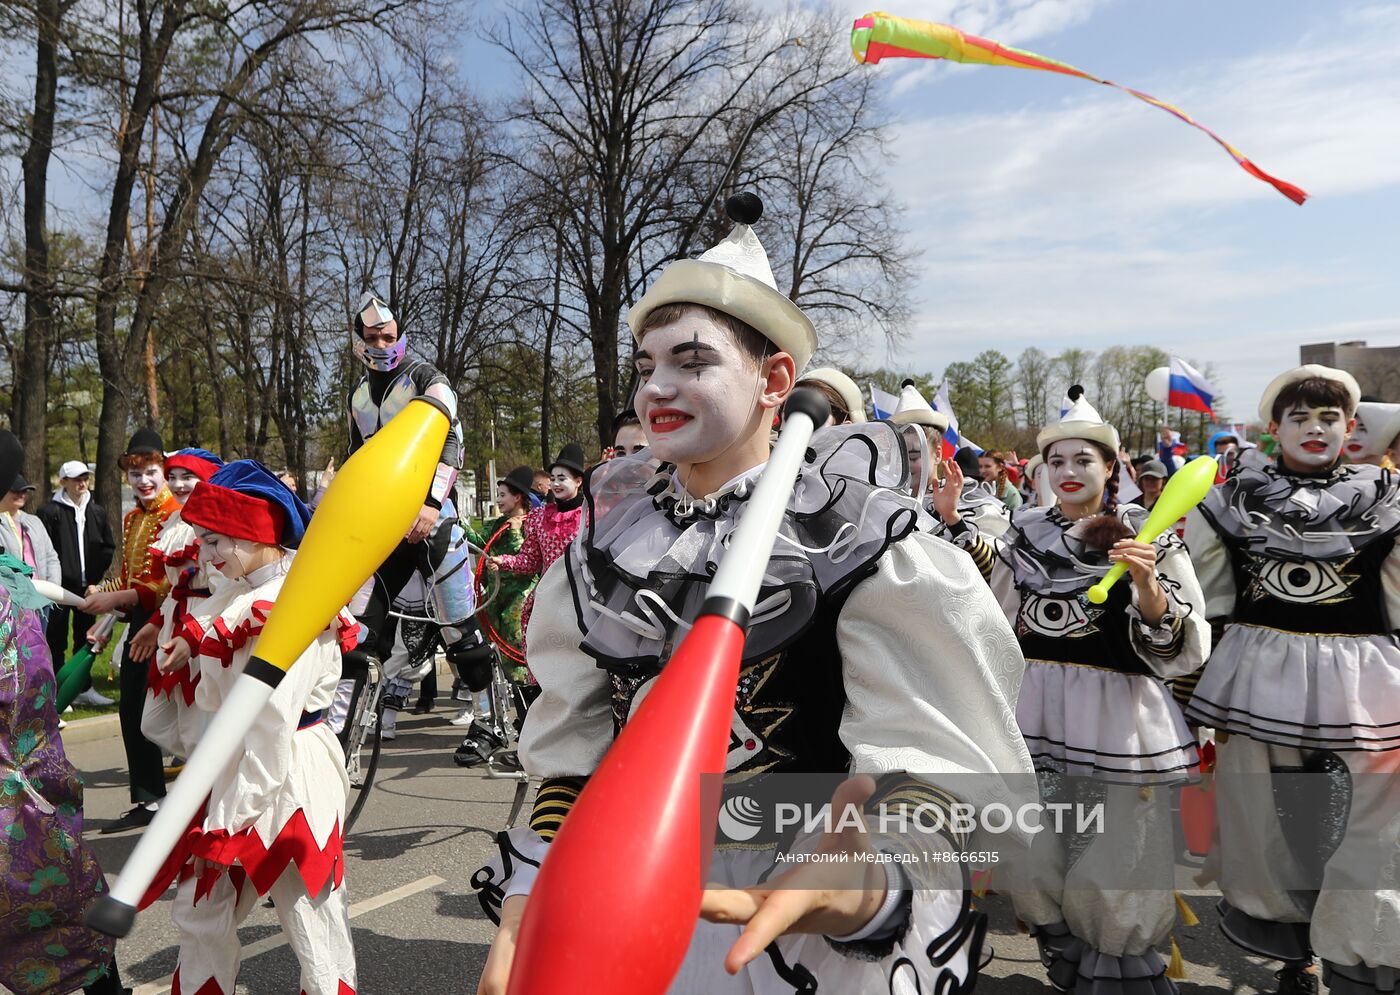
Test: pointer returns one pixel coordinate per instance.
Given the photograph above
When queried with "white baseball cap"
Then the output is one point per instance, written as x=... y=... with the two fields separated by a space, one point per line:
x=73 y=469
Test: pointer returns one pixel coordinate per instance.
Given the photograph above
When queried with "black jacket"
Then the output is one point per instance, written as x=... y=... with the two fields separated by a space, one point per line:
x=62 y=524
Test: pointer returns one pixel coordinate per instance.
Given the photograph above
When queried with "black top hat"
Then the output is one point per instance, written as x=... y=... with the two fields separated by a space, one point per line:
x=144 y=440
x=570 y=458
x=520 y=480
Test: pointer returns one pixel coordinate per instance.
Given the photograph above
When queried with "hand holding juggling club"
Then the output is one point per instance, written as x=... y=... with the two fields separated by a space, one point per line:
x=1187 y=488
x=590 y=928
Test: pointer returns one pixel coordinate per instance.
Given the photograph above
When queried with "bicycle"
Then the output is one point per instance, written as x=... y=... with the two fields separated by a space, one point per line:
x=362 y=729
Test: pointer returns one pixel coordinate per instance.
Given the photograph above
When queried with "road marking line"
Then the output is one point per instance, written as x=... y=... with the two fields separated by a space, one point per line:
x=396 y=895
x=162 y=987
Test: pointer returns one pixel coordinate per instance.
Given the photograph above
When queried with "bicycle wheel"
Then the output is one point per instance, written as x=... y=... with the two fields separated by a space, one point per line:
x=370 y=739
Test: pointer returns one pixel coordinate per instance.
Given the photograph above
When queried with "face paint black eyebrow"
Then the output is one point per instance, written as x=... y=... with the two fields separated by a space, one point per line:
x=694 y=345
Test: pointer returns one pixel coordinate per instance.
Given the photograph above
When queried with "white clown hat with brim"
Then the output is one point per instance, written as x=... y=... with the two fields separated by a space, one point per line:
x=914 y=410
x=1081 y=421
x=734 y=277
x=1382 y=425
x=844 y=386
x=1308 y=371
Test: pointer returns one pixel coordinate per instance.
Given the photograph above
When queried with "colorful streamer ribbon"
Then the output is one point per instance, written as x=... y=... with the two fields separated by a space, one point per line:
x=879 y=36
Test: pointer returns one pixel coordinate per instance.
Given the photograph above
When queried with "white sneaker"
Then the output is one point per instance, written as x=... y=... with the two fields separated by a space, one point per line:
x=464 y=717
x=92 y=698
x=389 y=729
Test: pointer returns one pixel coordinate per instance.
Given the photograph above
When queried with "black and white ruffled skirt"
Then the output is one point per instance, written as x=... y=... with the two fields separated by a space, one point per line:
x=1094 y=722
x=1319 y=692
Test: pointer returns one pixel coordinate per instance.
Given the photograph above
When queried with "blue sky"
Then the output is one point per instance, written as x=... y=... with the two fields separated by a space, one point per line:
x=1057 y=212
x=1054 y=212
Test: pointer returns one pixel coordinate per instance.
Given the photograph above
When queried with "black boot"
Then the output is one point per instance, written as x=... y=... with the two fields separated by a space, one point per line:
x=1297 y=977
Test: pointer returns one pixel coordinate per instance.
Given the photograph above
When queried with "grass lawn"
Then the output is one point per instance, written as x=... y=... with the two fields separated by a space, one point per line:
x=103 y=681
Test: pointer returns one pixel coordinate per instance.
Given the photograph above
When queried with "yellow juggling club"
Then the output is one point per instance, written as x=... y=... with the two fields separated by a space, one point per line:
x=364 y=514
x=345 y=542
x=1186 y=489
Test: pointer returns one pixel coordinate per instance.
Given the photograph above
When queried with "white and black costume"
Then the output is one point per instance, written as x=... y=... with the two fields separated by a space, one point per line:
x=374 y=402
x=977 y=502
x=874 y=648
x=1101 y=726
x=1304 y=570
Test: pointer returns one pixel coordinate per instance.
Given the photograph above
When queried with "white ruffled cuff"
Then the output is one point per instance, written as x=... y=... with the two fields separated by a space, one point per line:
x=513 y=870
x=890 y=916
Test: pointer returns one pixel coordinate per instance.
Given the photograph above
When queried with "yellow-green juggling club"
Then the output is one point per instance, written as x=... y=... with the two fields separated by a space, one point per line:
x=1186 y=489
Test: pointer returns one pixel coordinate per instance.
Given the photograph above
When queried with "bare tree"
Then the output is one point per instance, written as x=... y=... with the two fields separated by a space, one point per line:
x=145 y=71
x=624 y=99
x=29 y=406
x=1035 y=372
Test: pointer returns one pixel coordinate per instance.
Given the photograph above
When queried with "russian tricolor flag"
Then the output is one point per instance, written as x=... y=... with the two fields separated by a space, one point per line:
x=1187 y=389
x=952 y=438
x=883 y=403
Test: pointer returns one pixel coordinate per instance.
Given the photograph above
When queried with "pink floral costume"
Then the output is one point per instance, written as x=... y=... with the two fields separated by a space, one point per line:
x=548 y=532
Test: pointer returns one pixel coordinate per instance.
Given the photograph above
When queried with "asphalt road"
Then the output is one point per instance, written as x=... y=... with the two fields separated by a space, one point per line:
x=417 y=925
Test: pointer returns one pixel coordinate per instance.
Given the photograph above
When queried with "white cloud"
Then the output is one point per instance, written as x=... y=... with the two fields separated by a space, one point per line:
x=1100 y=220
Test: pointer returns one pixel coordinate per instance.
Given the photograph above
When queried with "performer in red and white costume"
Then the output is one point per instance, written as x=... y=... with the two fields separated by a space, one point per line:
x=170 y=718
x=272 y=825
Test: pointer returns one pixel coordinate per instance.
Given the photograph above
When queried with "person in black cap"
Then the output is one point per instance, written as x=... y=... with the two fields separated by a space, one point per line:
x=23 y=536
x=137 y=590
x=549 y=529
x=1151 y=478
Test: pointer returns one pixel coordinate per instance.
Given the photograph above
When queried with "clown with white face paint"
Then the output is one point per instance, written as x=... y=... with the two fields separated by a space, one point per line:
x=272 y=824
x=1093 y=706
x=840 y=650
x=1297 y=558
x=548 y=529
x=169 y=718
x=1377 y=431
x=136 y=592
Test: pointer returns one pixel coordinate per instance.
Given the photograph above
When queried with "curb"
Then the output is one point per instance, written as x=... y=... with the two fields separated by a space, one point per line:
x=87 y=730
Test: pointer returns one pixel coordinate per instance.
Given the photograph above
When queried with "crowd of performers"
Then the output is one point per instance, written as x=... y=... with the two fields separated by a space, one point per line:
x=922 y=629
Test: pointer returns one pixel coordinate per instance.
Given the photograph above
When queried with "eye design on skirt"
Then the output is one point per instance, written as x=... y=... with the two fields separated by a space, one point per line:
x=1302 y=582
x=1053 y=616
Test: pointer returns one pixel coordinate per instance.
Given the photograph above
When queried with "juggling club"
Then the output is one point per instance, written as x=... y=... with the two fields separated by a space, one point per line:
x=1187 y=488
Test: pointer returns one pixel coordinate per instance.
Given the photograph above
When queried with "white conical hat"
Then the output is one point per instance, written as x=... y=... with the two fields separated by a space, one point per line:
x=1081 y=421
x=734 y=277
x=1382 y=423
x=914 y=410
x=843 y=385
